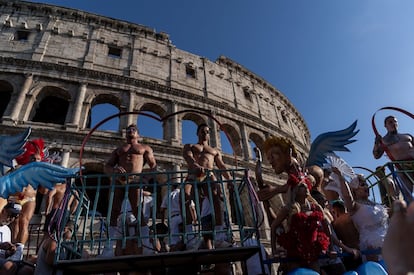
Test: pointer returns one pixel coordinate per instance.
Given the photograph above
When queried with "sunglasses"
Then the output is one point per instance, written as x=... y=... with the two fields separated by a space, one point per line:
x=129 y=130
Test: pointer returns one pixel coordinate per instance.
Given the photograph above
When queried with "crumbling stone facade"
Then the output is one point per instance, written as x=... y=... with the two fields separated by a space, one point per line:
x=57 y=63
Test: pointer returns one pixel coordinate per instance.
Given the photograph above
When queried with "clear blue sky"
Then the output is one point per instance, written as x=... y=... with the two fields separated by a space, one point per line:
x=337 y=61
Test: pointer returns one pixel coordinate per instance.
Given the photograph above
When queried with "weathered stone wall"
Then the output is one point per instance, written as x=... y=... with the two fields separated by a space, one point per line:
x=86 y=59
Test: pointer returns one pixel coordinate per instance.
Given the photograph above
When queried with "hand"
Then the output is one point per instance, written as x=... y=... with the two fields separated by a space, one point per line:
x=335 y=170
x=378 y=139
x=119 y=170
x=399 y=241
x=197 y=169
x=265 y=193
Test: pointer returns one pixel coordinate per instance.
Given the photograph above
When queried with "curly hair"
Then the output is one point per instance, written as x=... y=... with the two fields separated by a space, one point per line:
x=285 y=144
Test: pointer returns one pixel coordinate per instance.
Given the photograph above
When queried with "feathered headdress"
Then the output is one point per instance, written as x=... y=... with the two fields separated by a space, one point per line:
x=31 y=147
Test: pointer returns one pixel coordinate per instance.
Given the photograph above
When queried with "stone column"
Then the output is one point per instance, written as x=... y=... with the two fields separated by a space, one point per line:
x=65 y=157
x=214 y=133
x=77 y=110
x=172 y=126
x=14 y=116
x=245 y=142
x=130 y=118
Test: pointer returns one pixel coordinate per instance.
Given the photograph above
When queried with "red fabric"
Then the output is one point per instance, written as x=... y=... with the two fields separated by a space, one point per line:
x=305 y=239
x=31 y=147
x=294 y=178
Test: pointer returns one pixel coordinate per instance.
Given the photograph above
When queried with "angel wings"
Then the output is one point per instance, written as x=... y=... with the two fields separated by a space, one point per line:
x=34 y=173
x=328 y=143
x=11 y=147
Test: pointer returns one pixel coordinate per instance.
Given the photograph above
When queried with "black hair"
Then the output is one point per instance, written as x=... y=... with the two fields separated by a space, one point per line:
x=202 y=125
x=13 y=208
x=388 y=117
x=339 y=204
x=133 y=125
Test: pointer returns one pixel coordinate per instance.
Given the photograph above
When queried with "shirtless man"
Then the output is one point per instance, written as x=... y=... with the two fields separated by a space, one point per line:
x=129 y=158
x=27 y=198
x=399 y=147
x=201 y=157
x=347 y=234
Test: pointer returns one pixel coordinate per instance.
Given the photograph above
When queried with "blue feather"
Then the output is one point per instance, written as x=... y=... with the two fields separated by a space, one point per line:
x=11 y=147
x=34 y=173
x=330 y=142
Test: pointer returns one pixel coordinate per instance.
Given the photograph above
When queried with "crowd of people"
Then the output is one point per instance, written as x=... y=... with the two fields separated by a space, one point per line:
x=325 y=229
x=355 y=229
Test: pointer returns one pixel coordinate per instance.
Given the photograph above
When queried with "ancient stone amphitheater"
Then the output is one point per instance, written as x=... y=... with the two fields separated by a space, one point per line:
x=57 y=64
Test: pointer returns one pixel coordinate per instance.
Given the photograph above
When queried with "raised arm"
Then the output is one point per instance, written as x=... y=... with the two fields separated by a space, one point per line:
x=378 y=150
x=345 y=191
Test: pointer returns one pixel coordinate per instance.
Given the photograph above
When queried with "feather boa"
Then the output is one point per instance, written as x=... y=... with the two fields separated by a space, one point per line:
x=305 y=239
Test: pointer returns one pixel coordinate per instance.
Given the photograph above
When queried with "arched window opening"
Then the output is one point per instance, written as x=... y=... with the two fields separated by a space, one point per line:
x=6 y=91
x=230 y=140
x=226 y=146
x=52 y=109
x=149 y=126
x=256 y=140
x=99 y=112
x=189 y=132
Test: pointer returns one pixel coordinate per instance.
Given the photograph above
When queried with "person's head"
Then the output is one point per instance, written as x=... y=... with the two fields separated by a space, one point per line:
x=337 y=208
x=68 y=230
x=317 y=173
x=359 y=187
x=203 y=132
x=391 y=123
x=132 y=131
x=9 y=213
x=280 y=153
x=33 y=152
x=55 y=227
x=302 y=192
x=319 y=198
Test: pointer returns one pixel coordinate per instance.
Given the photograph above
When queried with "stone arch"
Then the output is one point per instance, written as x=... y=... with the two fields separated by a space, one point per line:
x=190 y=131
x=152 y=127
x=255 y=140
x=99 y=99
x=6 y=90
x=234 y=138
x=51 y=105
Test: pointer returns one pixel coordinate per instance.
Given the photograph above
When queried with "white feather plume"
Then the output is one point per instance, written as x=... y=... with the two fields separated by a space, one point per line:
x=343 y=167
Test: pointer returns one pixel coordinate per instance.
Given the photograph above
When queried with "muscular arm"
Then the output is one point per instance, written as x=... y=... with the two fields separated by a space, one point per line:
x=378 y=151
x=109 y=167
x=189 y=157
x=270 y=191
x=149 y=158
x=218 y=159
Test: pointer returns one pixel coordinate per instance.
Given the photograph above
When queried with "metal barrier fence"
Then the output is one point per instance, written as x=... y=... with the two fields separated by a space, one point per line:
x=95 y=197
x=398 y=173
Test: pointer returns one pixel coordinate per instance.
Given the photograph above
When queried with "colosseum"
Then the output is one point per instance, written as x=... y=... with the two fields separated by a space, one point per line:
x=58 y=64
